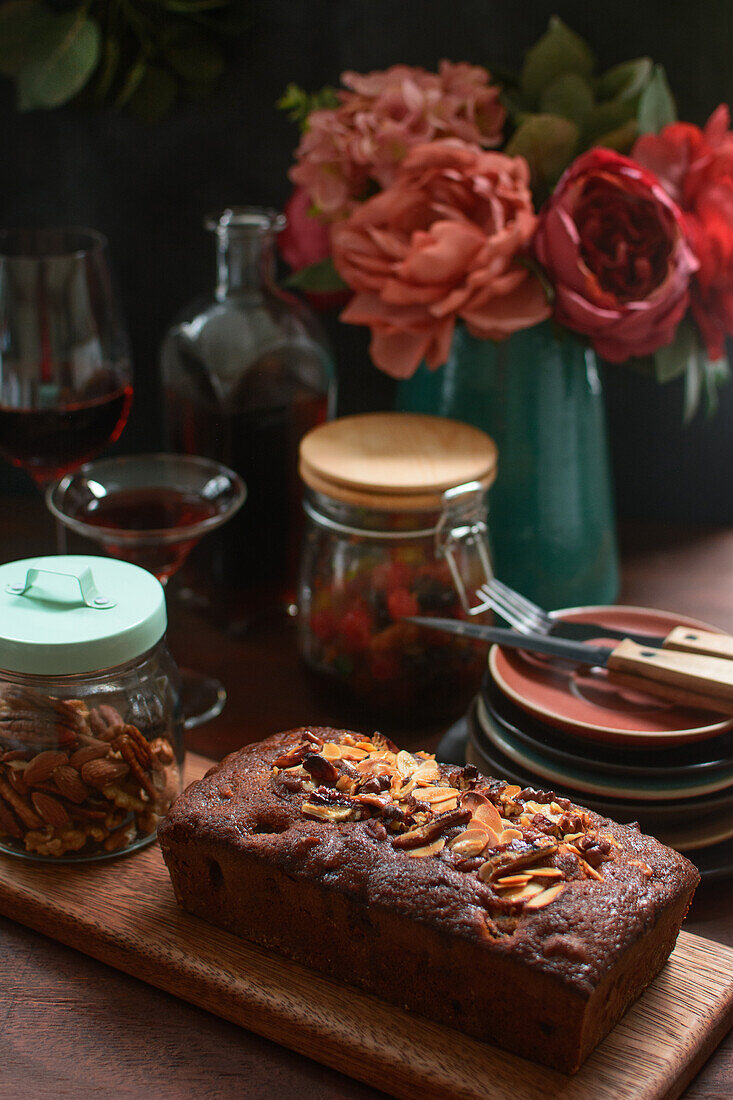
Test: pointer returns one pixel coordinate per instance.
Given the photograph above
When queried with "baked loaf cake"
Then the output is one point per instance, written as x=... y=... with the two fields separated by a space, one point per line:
x=512 y=915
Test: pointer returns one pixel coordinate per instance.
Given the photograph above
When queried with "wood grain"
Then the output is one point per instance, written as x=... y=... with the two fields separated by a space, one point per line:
x=696 y=678
x=700 y=641
x=123 y=913
x=395 y=460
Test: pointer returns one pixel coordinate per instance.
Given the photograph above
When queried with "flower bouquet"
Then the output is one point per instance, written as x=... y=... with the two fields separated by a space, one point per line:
x=459 y=216
x=601 y=210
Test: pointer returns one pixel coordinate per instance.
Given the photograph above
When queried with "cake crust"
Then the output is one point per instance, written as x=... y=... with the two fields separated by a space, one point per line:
x=323 y=845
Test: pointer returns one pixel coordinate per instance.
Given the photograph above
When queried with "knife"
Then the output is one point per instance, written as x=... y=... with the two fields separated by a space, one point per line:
x=681 y=675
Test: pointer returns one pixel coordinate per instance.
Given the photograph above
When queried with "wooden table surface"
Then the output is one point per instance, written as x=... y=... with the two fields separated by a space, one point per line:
x=71 y=1027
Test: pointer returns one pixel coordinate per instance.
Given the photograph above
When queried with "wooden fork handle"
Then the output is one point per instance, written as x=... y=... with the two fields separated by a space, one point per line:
x=705 y=681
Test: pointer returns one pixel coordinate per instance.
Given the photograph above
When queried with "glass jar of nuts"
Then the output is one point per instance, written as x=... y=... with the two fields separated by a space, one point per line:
x=91 y=742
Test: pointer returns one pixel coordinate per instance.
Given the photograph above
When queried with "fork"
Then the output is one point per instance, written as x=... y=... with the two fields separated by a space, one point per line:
x=529 y=618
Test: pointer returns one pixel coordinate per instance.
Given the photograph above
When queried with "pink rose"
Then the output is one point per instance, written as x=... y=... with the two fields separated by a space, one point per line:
x=442 y=242
x=696 y=168
x=613 y=244
x=305 y=239
x=348 y=149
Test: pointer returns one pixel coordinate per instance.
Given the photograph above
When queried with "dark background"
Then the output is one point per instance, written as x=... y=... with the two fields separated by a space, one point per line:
x=147 y=188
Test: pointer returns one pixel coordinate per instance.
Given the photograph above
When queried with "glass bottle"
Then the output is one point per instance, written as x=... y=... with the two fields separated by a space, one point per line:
x=246 y=374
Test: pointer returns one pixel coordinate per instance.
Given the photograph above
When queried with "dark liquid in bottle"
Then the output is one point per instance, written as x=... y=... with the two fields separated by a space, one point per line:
x=251 y=562
x=147 y=512
x=50 y=442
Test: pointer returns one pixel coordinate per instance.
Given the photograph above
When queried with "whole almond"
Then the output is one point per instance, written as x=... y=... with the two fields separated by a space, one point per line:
x=98 y=773
x=94 y=751
x=15 y=778
x=40 y=767
x=50 y=809
x=8 y=825
x=69 y=783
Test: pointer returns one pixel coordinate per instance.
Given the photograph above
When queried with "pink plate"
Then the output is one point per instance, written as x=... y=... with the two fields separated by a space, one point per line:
x=584 y=702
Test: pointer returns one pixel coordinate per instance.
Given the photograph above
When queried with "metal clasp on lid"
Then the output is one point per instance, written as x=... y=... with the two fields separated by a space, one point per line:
x=90 y=594
x=456 y=527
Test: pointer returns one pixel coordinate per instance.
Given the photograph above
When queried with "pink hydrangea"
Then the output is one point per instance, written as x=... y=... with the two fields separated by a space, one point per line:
x=350 y=150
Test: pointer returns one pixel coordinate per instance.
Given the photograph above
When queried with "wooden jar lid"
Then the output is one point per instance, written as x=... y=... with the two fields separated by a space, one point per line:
x=395 y=460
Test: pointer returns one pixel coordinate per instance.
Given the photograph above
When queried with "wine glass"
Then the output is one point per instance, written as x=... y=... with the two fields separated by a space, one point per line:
x=65 y=372
x=151 y=510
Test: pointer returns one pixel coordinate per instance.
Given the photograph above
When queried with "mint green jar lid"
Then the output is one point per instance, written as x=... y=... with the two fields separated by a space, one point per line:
x=74 y=613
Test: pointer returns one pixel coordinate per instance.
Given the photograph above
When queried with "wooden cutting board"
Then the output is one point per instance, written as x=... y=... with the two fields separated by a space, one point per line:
x=123 y=912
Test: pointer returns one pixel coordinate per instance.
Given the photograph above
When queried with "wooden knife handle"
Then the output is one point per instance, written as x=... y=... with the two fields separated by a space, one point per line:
x=690 y=640
x=668 y=673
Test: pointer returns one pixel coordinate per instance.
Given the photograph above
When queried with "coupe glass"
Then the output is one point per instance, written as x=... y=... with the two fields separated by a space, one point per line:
x=65 y=373
x=152 y=510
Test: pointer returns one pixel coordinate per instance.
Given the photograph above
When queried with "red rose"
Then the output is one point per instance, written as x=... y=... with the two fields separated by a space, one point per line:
x=614 y=246
x=696 y=168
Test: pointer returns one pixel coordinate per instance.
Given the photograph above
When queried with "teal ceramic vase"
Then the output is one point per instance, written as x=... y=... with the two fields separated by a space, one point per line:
x=539 y=396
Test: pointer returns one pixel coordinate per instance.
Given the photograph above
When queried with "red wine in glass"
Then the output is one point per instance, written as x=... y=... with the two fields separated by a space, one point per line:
x=48 y=442
x=65 y=375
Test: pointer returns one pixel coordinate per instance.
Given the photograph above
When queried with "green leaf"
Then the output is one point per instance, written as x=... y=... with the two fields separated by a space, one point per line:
x=132 y=80
x=548 y=143
x=298 y=103
x=621 y=139
x=22 y=24
x=674 y=359
x=321 y=278
x=560 y=50
x=625 y=81
x=608 y=116
x=656 y=107
x=107 y=68
x=66 y=57
x=154 y=94
x=716 y=373
x=568 y=96
x=192 y=57
x=687 y=356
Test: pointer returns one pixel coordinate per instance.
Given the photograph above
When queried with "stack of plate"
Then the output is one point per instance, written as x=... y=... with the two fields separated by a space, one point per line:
x=629 y=756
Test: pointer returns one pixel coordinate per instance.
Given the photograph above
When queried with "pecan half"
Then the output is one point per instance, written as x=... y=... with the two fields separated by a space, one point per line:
x=431 y=830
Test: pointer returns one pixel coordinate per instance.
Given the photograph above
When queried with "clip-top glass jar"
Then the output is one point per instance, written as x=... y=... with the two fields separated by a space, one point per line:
x=91 y=742
x=396 y=511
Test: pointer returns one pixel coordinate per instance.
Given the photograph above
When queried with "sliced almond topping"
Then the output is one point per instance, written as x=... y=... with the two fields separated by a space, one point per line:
x=591 y=871
x=469 y=843
x=427 y=849
x=331 y=751
x=546 y=872
x=406 y=763
x=513 y=880
x=327 y=813
x=570 y=837
x=539 y=901
x=510 y=834
x=524 y=893
x=437 y=794
x=428 y=772
x=483 y=810
x=351 y=752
